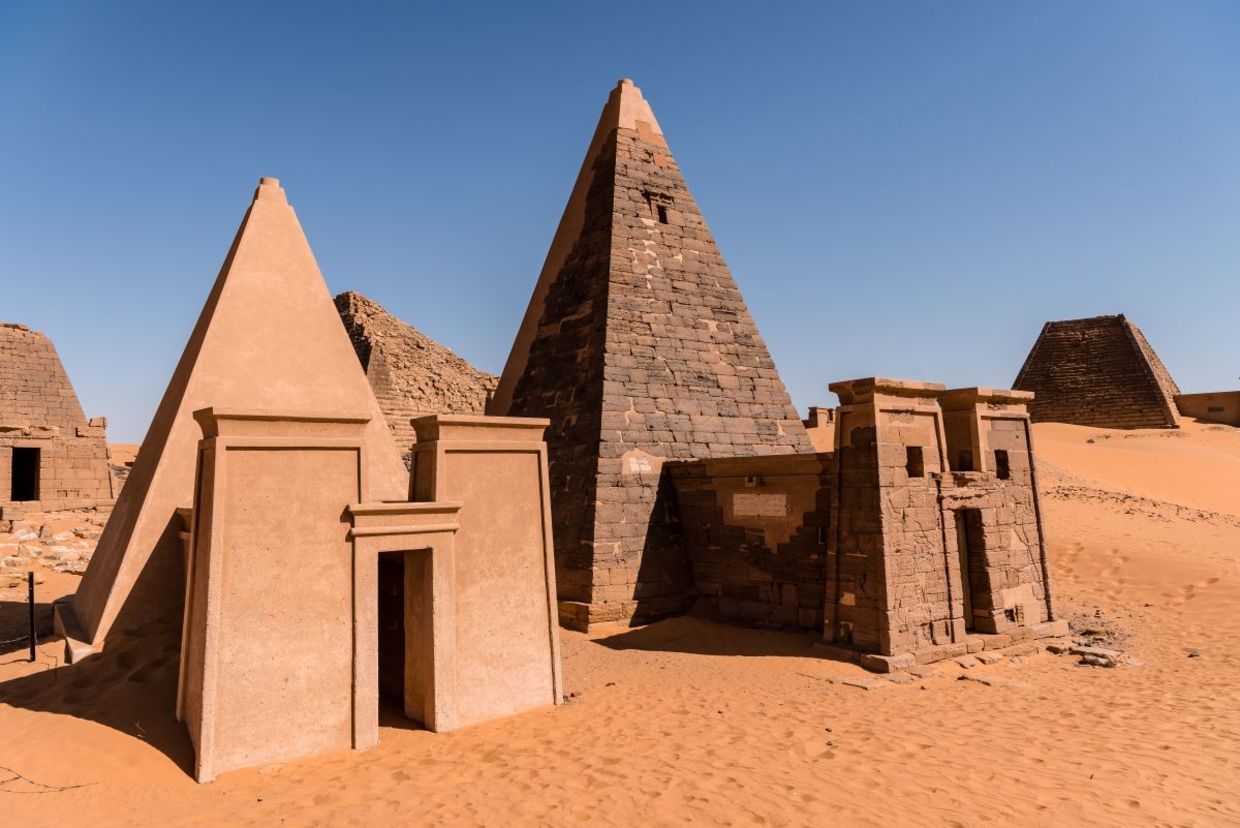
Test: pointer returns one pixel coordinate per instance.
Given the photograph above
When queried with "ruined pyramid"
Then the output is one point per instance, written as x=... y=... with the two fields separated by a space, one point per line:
x=267 y=338
x=639 y=348
x=1098 y=371
x=411 y=374
x=51 y=456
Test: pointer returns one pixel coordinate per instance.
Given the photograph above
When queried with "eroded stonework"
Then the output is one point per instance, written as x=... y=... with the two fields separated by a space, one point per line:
x=411 y=374
x=51 y=456
x=919 y=536
x=1099 y=371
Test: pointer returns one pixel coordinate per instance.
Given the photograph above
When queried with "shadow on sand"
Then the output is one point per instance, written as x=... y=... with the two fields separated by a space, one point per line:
x=703 y=633
x=130 y=687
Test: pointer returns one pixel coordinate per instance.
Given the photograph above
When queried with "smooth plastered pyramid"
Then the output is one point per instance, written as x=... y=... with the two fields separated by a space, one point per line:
x=268 y=337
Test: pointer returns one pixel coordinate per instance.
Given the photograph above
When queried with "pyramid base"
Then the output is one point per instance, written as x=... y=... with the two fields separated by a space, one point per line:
x=66 y=625
x=583 y=617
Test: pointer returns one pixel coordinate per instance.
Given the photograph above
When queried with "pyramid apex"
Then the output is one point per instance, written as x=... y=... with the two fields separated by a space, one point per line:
x=270 y=189
x=624 y=82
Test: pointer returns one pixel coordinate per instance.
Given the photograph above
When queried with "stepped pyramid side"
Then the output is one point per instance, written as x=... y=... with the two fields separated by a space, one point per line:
x=51 y=456
x=411 y=374
x=1099 y=371
x=639 y=347
x=268 y=338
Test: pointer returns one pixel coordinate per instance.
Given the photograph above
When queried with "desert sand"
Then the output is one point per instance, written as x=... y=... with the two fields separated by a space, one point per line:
x=693 y=721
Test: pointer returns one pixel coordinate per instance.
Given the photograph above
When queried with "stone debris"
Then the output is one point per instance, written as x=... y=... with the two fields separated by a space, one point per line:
x=968 y=662
x=989 y=658
x=33 y=540
x=991 y=680
x=862 y=682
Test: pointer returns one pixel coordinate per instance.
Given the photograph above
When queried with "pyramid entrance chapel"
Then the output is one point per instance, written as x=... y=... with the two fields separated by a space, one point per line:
x=51 y=456
x=639 y=452
x=638 y=346
x=269 y=517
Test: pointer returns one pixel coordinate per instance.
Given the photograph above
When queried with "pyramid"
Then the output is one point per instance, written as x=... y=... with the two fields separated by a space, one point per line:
x=639 y=348
x=51 y=456
x=267 y=338
x=1100 y=372
x=412 y=375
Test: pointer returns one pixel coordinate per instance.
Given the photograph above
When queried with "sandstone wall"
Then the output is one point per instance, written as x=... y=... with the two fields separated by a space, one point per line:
x=755 y=529
x=39 y=410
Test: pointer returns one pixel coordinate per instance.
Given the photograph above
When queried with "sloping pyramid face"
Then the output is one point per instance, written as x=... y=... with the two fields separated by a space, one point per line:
x=639 y=348
x=1100 y=372
x=267 y=338
x=411 y=374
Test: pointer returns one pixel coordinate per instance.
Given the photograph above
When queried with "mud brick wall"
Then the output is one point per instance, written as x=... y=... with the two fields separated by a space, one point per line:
x=755 y=529
x=411 y=374
x=645 y=352
x=1100 y=372
x=39 y=410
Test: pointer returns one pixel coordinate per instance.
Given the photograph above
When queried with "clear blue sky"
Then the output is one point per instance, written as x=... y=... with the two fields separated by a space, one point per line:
x=906 y=189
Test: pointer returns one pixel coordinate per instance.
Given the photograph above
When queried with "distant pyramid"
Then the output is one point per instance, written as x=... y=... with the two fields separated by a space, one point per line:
x=1100 y=372
x=51 y=456
x=411 y=374
x=267 y=338
x=638 y=346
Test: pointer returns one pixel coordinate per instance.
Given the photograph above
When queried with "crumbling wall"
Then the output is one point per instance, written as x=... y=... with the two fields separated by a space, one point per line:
x=755 y=529
x=40 y=411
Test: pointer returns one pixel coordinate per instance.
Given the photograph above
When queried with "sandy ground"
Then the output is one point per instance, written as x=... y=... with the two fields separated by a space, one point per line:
x=690 y=721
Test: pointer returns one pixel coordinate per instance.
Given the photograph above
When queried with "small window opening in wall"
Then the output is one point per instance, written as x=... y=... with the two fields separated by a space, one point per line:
x=662 y=210
x=1002 y=469
x=964 y=460
x=24 y=474
x=914 y=463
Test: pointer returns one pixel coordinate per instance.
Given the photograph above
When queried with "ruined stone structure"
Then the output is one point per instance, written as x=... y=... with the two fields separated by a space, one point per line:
x=313 y=574
x=639 y=348
x=1211 y=406
x=1101 y=372
x=919 y=537
x=51 y=456
x=411 y=374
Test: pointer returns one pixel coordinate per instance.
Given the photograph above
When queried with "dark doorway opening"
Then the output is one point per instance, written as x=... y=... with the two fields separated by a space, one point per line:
x=971 y=545
x=24 y=482
x=392 y=628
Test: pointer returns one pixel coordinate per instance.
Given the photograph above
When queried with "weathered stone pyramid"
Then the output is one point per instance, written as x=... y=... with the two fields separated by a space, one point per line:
x=411 y=374
x=268 y=338
x=51 y=456
x=638 y=346
x=1101 y=372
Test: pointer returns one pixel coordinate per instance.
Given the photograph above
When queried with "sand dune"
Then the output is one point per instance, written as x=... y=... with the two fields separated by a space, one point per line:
x=691 y=721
